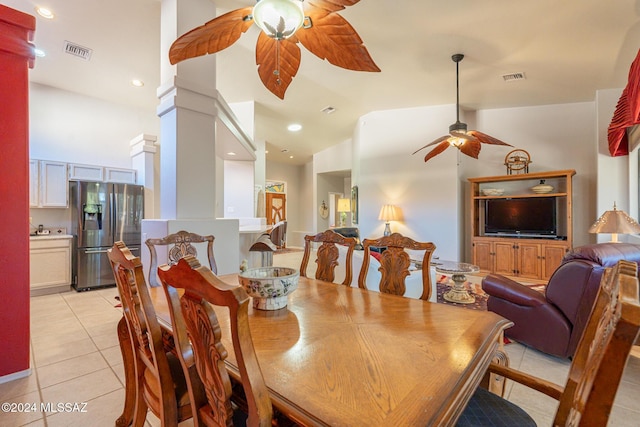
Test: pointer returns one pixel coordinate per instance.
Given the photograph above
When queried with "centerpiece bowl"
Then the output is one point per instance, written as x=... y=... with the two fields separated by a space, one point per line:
x=269 y=287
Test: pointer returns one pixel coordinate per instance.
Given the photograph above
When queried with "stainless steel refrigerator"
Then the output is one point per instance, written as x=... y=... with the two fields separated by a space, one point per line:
x=102 y=213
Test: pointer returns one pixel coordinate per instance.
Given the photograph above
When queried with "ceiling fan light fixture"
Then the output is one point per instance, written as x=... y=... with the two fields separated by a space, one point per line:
x=467 y=141
x=279 y=19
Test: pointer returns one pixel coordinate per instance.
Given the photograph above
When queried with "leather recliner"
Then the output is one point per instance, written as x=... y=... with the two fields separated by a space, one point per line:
x=553 y=322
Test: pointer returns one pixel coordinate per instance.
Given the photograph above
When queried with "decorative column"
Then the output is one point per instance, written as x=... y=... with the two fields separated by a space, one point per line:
x=16 y=57
x=142 y=153
x=187 y=112
x=191 y=174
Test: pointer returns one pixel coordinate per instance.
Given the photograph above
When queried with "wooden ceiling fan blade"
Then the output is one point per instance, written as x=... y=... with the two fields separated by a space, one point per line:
x=439 y=149
x=437 y=141
x=328 y=6
x=471 y=148
x=278 y=63
x=486 y=139
x=214 y=36
x=331 y=37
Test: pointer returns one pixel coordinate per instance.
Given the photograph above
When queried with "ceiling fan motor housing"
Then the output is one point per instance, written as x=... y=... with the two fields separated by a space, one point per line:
x=458 y=127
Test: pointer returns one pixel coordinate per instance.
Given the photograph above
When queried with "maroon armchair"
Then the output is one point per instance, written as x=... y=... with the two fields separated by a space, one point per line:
x=554 y=321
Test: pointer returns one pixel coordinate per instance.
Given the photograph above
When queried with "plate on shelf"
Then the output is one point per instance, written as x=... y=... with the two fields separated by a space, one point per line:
x=493 y=191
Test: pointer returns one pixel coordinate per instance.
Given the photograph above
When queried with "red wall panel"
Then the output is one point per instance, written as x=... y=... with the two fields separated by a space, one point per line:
x=16 y=56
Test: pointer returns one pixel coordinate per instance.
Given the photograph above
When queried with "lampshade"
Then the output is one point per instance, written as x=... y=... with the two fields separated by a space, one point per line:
x=279 y=19
x=344 y=205
x=389 y=213
x=615 y=222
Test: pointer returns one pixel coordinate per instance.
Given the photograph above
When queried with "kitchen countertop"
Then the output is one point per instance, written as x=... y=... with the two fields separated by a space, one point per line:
x=50 y=236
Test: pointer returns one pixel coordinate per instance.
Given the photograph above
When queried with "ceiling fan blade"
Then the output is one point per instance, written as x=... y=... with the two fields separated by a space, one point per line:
x=437 y=141
x=276 y=75
x=330 y=5
x=214 y=36
x=439 y=149
x=486 y=139
x=471 y=148
x=331 y=37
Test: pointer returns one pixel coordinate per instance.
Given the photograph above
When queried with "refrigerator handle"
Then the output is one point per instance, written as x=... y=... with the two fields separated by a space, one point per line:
x=112 y=214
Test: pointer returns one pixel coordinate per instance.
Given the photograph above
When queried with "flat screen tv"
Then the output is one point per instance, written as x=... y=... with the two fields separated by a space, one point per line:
x=524 y=217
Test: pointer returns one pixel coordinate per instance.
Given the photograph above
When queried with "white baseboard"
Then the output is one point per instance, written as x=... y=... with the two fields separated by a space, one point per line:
x=15 y=376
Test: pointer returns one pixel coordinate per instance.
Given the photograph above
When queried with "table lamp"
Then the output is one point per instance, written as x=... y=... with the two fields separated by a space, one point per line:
x=388 y=213
x=344 y=206
x=615 y=222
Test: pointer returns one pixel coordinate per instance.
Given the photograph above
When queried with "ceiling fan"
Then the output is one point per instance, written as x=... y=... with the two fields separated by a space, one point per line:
x=284 y=23
x=467 y=141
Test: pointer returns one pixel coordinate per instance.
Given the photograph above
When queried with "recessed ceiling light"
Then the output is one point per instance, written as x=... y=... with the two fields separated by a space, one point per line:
x=231 y=153
x=294 y=127
x=266 y=152
x=39 y=53
x=291 y=157
x=44 y=12
x=137 y=82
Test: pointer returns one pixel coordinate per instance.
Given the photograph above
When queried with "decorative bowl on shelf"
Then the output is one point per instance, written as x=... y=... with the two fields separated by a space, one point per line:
x=269 y=286
x=542 y=188
x=493 y=191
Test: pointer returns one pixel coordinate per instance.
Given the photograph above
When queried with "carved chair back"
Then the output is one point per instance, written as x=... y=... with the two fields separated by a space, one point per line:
x=599 y=361
x=328 y=254
x=182 y=242
x=198 y=334
x=395 y=262
x=160 y=383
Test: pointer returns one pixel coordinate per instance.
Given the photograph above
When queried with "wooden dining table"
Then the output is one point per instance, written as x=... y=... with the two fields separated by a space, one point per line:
x=344 y=356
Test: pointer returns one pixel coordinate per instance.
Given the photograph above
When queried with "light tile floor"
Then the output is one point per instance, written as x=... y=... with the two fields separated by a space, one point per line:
x=76 y=359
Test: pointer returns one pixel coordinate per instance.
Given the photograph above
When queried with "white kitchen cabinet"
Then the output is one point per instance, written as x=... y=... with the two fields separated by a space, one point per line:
x=125 y=176
x=50 y=264
x=86 y=172
x=34 y=183
x=48 y=184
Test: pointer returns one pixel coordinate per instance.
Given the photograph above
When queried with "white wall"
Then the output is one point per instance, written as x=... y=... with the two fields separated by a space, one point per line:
x=69 y=127
x=238 y=189
x=427 y=193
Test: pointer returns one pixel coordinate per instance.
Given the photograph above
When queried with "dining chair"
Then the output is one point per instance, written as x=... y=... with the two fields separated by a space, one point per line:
x=182 y=242
x=278 y=234
x=160 y=384
x=197 y=334
x=328 y=254
x=596 y=369
x=395 y=262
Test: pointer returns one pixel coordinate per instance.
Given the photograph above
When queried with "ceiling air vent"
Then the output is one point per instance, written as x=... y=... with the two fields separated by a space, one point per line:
x=328 y=110
x=77 y=50
x=513 y=77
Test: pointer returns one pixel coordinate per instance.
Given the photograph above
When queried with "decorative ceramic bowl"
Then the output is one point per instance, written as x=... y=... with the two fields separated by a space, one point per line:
x=542 y=188
x=269 y=286
x=493 y=191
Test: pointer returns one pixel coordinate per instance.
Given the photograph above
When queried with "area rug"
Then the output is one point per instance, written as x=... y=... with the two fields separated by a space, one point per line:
x=444 y=283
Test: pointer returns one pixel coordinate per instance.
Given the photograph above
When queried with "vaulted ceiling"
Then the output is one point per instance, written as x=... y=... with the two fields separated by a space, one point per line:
x=567 y=50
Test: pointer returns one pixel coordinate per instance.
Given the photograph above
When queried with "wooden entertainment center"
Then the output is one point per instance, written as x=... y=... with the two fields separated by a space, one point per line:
x=525 y=256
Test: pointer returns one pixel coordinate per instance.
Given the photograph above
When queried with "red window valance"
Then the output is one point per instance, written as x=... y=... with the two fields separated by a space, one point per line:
x=627 y=113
